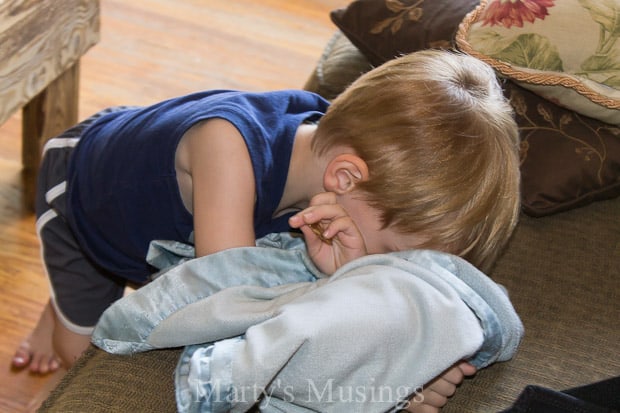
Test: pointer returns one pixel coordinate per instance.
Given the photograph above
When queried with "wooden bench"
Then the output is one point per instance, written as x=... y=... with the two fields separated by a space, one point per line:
x=41 y=43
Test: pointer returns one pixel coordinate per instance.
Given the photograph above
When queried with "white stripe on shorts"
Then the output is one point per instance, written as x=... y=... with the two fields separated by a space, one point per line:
x=55 y=143
x=45 y=217
x=55 y=192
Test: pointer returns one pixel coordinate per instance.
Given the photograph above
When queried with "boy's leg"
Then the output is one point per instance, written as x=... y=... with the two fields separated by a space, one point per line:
x=68 y=345
x=80 y=290
x=37 y=351
x=80 y=294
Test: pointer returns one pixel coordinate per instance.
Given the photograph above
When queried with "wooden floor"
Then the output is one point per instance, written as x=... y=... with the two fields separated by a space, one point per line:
x=150 y=50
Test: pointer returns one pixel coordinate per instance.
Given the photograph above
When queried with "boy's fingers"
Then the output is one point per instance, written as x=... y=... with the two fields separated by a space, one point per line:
x=323 y=198
x=322 y=207
x=316 y=214
x=319 y=232
x=339 y=225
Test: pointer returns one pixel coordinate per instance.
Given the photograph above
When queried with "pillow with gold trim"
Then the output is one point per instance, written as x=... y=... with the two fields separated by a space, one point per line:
x=384 y=29
x=567 y=51
x=568 y=160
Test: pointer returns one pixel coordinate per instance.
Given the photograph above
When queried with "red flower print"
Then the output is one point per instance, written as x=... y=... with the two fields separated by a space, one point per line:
x=514 y=12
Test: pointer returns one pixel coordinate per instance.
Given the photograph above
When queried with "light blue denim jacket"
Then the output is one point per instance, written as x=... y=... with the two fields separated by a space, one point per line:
x=264 y=325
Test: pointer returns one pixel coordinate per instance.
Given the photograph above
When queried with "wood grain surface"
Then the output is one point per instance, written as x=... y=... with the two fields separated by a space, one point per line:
x=39 y=40
x=149 y=50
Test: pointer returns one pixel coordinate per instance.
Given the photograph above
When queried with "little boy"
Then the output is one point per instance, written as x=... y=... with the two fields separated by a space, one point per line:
x=421 y=152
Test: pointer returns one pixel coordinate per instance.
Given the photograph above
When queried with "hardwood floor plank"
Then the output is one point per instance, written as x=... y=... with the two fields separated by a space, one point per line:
x=149 y=50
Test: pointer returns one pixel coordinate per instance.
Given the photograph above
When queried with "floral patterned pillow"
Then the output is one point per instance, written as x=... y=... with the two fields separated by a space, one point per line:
x=564 y=50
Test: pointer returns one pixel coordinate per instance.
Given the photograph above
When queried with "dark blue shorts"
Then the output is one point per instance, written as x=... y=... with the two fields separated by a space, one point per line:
x=80 y=290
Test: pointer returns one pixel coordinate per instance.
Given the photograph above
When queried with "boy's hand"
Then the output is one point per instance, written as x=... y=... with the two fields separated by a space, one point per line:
x=332 y=238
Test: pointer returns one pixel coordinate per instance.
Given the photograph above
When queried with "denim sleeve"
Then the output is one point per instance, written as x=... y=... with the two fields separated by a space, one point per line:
x=365 y=340
x=234 y=287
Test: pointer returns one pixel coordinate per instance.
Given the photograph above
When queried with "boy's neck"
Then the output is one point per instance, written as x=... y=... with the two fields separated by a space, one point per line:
x=305 y=173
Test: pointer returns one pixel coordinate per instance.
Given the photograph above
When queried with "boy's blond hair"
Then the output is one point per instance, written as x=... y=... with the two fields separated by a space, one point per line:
x=441 y=146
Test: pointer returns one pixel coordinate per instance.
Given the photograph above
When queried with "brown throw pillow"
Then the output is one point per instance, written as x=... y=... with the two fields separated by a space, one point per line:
x=384 y=29
x=567 y=160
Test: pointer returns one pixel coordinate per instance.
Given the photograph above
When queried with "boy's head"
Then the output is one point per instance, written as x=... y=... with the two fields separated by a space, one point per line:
x=441 y=148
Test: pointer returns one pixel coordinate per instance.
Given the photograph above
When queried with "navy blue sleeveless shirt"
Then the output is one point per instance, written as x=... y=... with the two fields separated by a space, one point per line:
x=122 y=190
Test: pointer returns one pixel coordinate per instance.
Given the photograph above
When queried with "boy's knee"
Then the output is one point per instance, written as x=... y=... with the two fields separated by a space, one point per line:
x=68 y=345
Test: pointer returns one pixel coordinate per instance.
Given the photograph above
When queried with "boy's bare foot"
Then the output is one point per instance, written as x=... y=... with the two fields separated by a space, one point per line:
x=435 y=394
x=37 y=351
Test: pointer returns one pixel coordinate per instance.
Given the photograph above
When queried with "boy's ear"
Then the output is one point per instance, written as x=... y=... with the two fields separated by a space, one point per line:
x=343 y=172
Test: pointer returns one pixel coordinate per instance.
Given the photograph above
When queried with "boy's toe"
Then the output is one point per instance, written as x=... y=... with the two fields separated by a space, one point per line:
x=22 y=357
x=44 y=364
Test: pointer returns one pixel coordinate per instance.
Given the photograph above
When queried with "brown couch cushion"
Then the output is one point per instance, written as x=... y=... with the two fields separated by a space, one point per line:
x=563 y=276
x=562 y=273
x=103 y=383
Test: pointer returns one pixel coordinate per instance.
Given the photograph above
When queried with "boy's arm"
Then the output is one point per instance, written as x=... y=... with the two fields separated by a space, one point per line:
x=223 y=189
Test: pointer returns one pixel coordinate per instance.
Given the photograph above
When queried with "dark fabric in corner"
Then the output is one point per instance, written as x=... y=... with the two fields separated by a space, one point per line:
x=600 y=397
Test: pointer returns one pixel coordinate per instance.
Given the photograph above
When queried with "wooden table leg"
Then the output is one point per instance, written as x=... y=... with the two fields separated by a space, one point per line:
x=48 y=114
